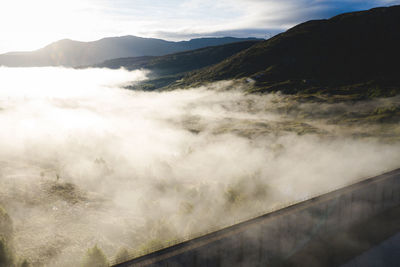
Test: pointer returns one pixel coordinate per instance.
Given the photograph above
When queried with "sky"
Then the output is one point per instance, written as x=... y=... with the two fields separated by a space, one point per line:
x=29 y=25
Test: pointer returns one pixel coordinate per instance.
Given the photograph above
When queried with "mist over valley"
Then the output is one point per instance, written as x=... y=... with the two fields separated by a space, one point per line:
x=85 y=162
x=117 y=148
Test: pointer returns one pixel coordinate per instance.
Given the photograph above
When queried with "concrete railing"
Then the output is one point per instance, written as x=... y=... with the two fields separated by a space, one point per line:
x=277 y=235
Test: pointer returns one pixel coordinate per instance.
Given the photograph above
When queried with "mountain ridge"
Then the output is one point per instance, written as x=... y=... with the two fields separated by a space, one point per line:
x=166 y=69
x=346 y=54
x=70 y=53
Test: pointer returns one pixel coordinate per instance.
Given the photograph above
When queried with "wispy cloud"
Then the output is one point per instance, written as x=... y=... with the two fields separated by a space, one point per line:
x=26 y=24
x=260 y=18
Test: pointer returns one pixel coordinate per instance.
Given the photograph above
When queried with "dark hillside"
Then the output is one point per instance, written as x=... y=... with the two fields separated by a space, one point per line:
x=351 y=53
x=180 y=62
x=170 y=68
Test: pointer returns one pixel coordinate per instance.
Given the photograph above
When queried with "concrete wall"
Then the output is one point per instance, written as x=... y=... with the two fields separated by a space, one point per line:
x=269 y=239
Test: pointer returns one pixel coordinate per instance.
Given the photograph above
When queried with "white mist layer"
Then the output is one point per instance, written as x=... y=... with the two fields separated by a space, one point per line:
x=83 y=162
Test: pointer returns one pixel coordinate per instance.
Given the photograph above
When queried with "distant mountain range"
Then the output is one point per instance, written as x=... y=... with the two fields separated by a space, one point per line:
x=351 y=54
x=71 y=53
x=169 y=68
x=354 y=54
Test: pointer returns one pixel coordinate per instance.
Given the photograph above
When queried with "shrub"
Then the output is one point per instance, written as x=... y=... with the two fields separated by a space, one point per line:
x=122 y=255
x=6 y=255
x=6 y=225
x=95 y=258
x=25 y=263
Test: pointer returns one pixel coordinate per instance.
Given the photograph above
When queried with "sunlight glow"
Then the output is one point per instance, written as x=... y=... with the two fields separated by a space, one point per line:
x=28 y=25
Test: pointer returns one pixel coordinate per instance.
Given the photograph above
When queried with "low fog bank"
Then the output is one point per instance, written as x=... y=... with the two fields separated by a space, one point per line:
x=84 y=162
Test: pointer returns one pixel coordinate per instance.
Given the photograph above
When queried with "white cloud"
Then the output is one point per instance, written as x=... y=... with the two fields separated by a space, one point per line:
x=26 y=24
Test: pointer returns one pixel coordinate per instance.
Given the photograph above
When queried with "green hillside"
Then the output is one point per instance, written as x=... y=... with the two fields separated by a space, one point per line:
x=167 y=69
x=355 y=54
